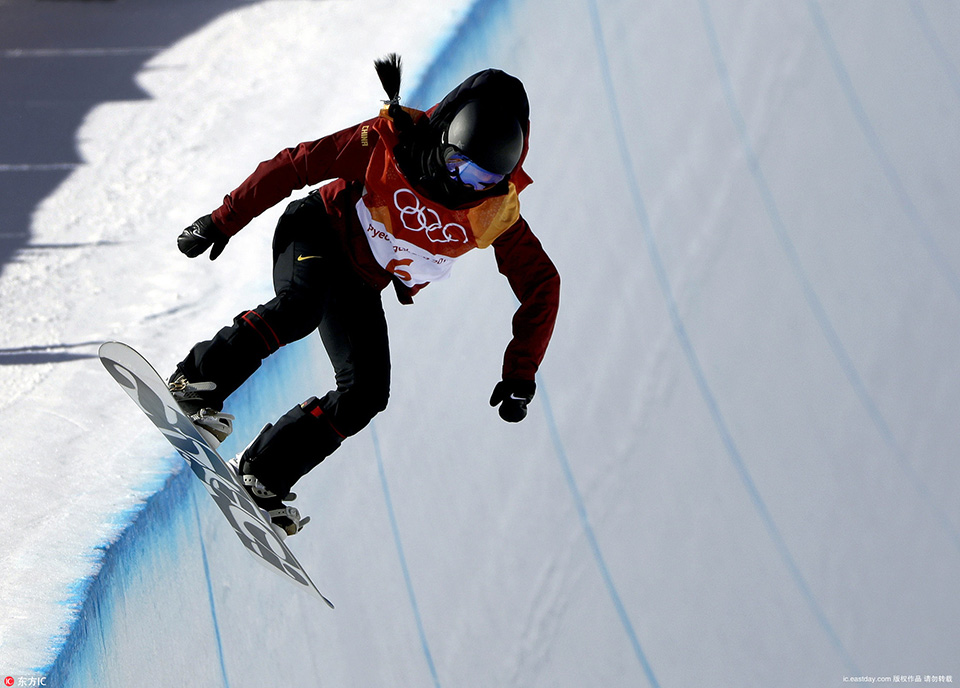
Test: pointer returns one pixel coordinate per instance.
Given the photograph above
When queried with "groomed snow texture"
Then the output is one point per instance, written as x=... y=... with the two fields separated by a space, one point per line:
x=740 y=469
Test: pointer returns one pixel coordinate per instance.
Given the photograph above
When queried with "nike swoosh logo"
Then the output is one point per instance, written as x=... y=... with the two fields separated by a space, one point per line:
x=516 y=398
x=302 y=258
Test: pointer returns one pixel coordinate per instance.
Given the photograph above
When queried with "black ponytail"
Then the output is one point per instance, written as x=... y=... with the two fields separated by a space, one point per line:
x=390 y=71
x=416 y=152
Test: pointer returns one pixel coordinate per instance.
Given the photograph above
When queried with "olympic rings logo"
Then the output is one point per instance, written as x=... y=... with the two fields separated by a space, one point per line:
x=417 y=218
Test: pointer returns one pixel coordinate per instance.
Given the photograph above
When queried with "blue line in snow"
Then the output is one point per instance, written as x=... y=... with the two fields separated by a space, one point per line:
x=873 y=140
x=815 y=305
x=930 y=33
x=403 y=559
x=690 y=353
x=592 y=538
x=809 y=292
x=213 y=606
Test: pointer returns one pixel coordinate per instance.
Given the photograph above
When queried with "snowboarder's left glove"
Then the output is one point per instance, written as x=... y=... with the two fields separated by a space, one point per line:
x=513 y=396
x=200 y=236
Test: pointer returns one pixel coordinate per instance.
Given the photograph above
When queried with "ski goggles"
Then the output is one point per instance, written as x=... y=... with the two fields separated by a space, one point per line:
x=466 y=171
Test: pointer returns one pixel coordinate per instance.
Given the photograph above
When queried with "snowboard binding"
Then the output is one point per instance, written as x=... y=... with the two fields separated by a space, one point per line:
x=215 y=424
x=285 y=519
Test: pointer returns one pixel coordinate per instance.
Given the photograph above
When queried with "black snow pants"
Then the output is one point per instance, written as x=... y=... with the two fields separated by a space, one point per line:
x=315 y=289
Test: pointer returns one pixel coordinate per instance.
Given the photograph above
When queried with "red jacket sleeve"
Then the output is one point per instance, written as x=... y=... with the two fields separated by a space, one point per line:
x=343 y=155
x=536 y=283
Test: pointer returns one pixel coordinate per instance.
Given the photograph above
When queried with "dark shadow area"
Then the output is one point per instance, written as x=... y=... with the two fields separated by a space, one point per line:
x=58 y=60
x=55 y=353
x=77 y=244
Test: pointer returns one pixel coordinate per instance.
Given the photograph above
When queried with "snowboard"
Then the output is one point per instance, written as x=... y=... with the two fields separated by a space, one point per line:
x=149 y=391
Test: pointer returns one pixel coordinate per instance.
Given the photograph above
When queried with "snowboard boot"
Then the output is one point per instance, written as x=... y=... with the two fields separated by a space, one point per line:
x=215 y=425
x=285 y=519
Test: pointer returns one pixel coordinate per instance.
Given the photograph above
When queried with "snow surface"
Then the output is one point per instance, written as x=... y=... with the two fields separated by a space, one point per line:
x=740 y=468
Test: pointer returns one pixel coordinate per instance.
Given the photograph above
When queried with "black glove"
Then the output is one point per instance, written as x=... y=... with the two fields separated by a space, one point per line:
x=199 y=236
x=513 y=397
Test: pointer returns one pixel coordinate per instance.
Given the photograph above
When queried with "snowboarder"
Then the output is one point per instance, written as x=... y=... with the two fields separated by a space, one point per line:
x=412 y=192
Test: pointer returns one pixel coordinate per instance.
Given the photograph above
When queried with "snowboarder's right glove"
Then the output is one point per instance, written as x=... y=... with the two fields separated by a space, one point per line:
x=200 y=236
x=513 y=397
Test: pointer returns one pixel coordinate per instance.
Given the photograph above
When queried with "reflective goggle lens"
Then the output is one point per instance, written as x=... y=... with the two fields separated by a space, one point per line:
x=470 y=173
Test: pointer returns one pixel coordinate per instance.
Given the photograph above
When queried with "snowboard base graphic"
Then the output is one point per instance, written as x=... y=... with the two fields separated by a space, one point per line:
x=149 y=391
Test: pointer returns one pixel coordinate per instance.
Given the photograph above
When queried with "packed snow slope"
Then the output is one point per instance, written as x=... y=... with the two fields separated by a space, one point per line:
x=741 y=465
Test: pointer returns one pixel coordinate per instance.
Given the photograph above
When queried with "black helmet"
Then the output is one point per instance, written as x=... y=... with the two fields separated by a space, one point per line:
x=488 y=135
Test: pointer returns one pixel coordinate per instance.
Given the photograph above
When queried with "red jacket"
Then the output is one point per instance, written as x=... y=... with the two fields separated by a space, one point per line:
x=344 y=157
